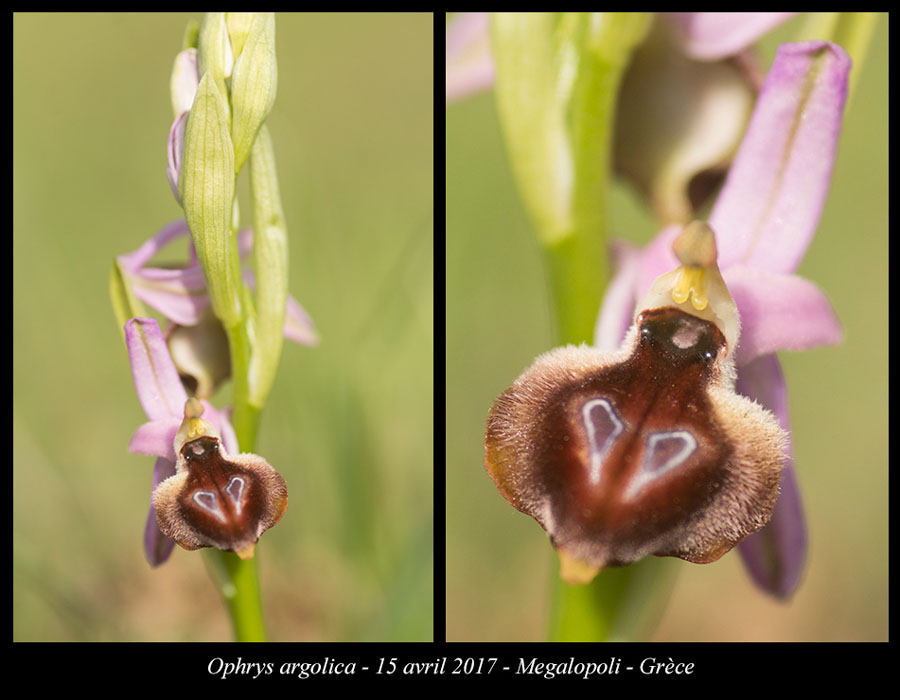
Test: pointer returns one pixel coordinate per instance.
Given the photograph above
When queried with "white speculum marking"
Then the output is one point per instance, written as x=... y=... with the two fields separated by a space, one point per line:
x=605 y=433
x=686 y=336
x=207 y=501
x=664 y=452
x=235 y=491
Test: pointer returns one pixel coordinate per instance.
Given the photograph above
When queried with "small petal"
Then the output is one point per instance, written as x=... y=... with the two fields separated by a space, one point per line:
x=175 y=151
x=713 y=35
x=174 y=293
x=298 y=326
x=780 y=312
x=245 y=242
x=775 y=556
x=770 y=205
x=134 y=261
x=658 y=258
x=763 y=381
x=158 y=547
x=222 y=420
x=180 y=293
x=184 y=81
x=155 y=438
x=155 y=377
x=617 y=313
x=470 y=67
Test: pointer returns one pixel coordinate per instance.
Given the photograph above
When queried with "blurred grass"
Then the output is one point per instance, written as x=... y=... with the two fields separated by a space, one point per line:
x=349 y=423
x=500 y=562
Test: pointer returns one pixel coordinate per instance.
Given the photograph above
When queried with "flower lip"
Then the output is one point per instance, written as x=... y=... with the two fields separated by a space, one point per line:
x=648 y=449
x=216 y=499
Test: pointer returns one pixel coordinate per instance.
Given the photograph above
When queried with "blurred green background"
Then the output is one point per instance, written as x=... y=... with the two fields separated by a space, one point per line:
x=349 y=423
x=500 y=562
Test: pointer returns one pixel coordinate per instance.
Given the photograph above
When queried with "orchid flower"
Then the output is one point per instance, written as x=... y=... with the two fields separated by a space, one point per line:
x=673 y=440
x=204 y=493
x=180 y=294
x=162 y=397
x=764 y=220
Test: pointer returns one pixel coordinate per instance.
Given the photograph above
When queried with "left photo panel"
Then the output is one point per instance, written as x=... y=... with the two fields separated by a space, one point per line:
x=223 y=398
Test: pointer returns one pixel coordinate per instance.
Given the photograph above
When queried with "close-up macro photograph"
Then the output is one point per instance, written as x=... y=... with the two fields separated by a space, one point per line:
x=406 y=390
x=223 y=327
x=667 y=284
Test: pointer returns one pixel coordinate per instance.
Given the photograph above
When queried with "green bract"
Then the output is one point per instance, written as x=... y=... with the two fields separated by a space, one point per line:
x=215 y=55
x=253 y=85
x=206 y=187
x=270 y=246
x=557 y=79
x=556 y=84
x=239 y=24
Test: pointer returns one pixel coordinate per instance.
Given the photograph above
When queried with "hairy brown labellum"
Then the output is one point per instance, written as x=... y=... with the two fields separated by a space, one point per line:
x=647 y=450
x=216 y=499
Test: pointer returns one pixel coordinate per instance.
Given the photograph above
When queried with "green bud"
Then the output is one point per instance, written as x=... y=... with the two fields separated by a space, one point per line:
x=215 y=54
x=557 y=75
x=207 y=193
x=253 y=85
x=556 y=86
x=270 y=253
x=239 y=24
x=191 y=35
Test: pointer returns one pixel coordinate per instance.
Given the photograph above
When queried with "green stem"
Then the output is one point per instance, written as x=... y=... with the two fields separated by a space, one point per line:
x=618 y=605
x=246 y=415
x=238 y=584
x=577 y=275
x=237 y=579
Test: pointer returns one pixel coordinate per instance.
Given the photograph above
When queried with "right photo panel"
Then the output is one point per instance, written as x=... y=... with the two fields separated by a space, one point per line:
x=667 y=355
